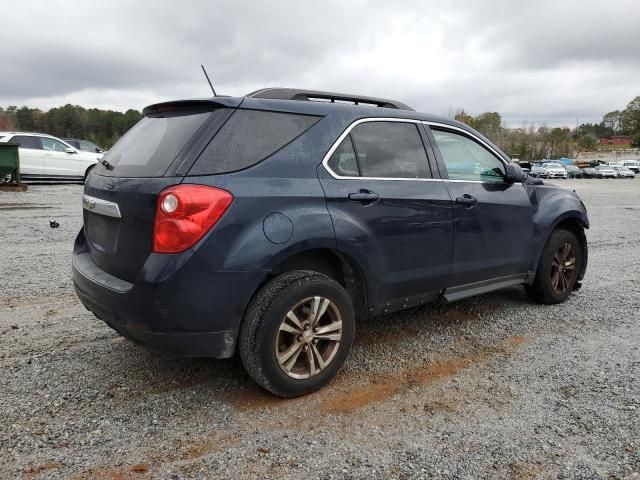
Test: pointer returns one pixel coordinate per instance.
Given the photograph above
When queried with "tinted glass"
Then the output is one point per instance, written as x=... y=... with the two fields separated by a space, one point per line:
x=390 y=150
x=152 y=144
x=52 y=145
x=248 y=137
x=466 y=159
x=26 y=142
x=343 y=161
x=87 y=146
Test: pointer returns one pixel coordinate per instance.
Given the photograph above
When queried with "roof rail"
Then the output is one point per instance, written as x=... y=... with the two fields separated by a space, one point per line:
x=316 y=95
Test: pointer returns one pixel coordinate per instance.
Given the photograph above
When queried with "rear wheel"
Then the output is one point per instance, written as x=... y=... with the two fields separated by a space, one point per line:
x=297 y=333
x=557 y=274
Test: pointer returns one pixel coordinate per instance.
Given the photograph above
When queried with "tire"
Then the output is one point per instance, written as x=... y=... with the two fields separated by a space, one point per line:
x=545 y=288
x=264 y=345
x=8 y=178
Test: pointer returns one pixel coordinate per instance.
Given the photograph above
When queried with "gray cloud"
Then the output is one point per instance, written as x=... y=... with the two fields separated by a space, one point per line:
x=537 y=61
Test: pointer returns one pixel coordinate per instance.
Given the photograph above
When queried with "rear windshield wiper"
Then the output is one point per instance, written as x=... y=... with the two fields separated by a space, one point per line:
x=106 y=164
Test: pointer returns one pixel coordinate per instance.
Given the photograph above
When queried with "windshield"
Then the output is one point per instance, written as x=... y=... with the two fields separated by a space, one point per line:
x=88 y=146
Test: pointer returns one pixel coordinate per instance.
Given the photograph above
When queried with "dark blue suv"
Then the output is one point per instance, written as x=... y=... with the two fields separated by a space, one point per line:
x=268 y=224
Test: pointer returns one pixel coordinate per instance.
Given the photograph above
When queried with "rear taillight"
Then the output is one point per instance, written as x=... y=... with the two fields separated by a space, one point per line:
x=184 y=213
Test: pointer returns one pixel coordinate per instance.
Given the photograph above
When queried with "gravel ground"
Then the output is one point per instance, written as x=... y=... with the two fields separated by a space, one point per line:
x=490 y=387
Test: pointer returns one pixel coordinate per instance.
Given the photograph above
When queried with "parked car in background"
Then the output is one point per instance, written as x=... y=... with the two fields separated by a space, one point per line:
x=624 y=172
x=44 y=158
x=84 y=145
x=589 y=172
x=267 y=225
x=573 y=171
x=549 y=170
x=605 y=171
x=632 y=165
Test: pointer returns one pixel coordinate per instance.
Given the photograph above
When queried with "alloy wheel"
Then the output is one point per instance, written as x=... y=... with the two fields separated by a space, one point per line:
x=308 y=337
x=563 y=269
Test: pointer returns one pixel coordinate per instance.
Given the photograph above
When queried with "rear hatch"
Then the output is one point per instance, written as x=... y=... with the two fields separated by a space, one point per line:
x=121 y=193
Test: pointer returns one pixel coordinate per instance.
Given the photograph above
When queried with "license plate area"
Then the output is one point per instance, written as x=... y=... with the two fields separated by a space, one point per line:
x=102 y=232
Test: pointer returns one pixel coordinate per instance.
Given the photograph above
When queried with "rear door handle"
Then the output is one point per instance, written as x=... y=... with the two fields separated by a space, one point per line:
x=467 y=200
x=364 y=196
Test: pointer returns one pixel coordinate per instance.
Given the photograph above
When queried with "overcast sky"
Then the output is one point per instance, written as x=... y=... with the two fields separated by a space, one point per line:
x=539 y=61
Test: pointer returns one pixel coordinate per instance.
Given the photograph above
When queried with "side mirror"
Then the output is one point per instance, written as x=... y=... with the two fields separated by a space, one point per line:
x=70 y=150
x=514 y=173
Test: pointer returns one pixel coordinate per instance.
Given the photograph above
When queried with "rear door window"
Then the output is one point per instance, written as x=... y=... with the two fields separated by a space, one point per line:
x=390 y=150
x=153 y=144
x=249 y=137
x=26 y=141
x=343 y=160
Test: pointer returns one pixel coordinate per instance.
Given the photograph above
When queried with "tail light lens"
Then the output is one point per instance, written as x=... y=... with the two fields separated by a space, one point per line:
x=184 y=213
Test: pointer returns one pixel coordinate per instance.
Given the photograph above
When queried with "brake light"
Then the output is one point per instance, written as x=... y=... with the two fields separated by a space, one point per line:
x=184 y=213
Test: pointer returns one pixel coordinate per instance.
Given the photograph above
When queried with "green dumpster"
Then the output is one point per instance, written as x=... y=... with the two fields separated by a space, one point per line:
x=9 y=162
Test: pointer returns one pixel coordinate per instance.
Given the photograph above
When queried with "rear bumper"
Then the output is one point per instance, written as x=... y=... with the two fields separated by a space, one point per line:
x=188 y=344
x=184 y=309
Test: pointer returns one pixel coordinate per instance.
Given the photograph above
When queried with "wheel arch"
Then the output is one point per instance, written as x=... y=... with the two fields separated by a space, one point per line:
x=575 y=222
x=329 y=261
x=88 y=171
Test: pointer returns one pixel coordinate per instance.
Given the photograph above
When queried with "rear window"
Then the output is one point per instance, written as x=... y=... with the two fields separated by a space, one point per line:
x=153 y=144
x=248 y=137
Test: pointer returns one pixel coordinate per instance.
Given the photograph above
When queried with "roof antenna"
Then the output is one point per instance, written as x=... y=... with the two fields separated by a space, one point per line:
x=210 y=84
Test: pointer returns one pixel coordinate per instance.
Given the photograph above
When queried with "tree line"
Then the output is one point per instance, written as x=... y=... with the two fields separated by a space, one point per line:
x=103 y=127
x=529 y=142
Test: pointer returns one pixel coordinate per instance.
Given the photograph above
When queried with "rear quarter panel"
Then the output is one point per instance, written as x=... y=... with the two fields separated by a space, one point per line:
x=278 y=209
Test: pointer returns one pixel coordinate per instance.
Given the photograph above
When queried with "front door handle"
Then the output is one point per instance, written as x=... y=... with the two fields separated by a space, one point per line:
x=467 y=200
x=364 y=196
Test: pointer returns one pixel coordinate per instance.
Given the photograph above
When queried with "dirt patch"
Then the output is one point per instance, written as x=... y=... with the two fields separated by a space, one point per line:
x=439 y=406
x=382 y=387
x=254 y=398
x=195 y=449
x=37 y=469
x=524 y=471
x=134 y=472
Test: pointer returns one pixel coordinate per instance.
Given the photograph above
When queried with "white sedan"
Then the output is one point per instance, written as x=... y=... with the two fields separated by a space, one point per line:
x=47 y=158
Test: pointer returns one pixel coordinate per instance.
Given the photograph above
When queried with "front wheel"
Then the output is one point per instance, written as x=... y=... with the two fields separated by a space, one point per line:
x=297 y=333
x=557 y=274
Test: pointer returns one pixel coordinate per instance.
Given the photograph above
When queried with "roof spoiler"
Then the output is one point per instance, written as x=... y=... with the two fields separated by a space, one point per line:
x=316 y=95
x=215 y=102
